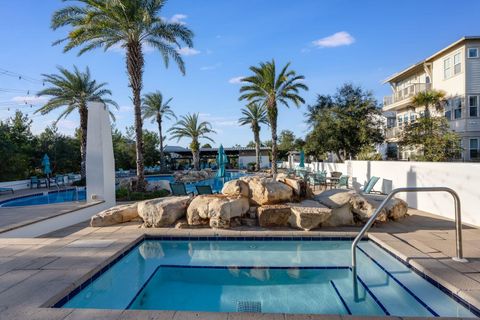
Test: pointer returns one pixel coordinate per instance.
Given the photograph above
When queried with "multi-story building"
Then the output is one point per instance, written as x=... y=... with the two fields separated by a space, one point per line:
x=454 y=70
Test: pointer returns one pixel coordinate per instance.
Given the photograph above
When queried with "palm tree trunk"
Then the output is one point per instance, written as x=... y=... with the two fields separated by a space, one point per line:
x=135 y=63
x=272 y=115
x=256 y=134
x=162 y=154
x=196 y=159
x=83 y=139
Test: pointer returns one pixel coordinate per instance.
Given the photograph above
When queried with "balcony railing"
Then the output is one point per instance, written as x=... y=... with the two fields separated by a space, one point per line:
x=406 y=93
x=393 y=132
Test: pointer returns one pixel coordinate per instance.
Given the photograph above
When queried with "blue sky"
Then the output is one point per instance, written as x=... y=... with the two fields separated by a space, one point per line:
x=329 y=42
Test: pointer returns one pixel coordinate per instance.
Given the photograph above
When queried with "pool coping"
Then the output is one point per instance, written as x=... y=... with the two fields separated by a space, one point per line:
x=472 y=304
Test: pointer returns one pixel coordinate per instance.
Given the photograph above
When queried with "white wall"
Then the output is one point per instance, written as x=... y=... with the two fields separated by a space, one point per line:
x=464 y=178
x=16 y=185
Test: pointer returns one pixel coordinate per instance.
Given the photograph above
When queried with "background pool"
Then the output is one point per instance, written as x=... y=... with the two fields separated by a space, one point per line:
x=47 y=198
x=267 y=276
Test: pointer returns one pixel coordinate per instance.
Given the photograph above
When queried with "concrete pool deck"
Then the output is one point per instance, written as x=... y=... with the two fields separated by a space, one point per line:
x=36 y=272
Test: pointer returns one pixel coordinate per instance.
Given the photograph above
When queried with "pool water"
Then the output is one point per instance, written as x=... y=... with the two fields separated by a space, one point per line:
x=46 y=198
x=263 y=276
x=215 y=183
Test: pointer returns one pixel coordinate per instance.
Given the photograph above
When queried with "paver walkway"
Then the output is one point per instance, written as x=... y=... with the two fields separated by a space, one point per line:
x=35 y=273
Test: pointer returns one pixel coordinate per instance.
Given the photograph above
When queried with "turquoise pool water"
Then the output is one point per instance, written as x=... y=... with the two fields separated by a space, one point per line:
x=215 y=183
x=263 y=276
x=46 y=198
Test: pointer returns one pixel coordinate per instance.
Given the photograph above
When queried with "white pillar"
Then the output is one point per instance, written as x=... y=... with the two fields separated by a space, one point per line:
x=100 y=164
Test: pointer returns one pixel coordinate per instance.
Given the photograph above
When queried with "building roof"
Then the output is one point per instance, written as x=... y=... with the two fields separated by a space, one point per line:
x=433 y=56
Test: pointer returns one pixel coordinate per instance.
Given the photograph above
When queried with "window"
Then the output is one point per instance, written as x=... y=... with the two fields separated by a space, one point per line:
x=400 y=121
x=412 y=117
x=457 y=112
x=473 y=106
x=457 y=64
x=405 y=118
x=474 y=154
x=448 y=115
x=473 y=52
x=447 y=70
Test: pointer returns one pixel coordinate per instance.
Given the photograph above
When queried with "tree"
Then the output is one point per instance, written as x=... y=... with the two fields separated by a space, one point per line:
x=123 y=150
x=268 y=88
x=190 y=127
x=428 y=99
x=254 y=115
x=155 y=108
x=286 y=143
x=151 y=142
x=432 y=139
x=207 y=145
x=130 y=24
x=72 y=91
x=344 y=123
x=251 y=144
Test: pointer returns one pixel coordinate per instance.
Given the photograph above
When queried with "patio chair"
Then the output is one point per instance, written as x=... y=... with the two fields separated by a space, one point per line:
x=336 y=174
x=6 y=189
x=204 y=190
x=179 y=189
x=59 y=180
x=34 y=180
x=342 y=182
x=368 y=187
x=317 y=179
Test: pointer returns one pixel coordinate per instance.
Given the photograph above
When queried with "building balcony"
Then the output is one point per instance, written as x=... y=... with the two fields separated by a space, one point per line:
x=393 y=134
x=403 y=97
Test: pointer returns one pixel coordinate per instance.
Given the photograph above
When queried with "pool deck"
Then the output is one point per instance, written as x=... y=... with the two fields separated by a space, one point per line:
x=15 y=217
x=36 y=272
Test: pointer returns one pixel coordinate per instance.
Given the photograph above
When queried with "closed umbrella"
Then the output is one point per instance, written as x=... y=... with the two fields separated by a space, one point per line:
x=302 y=159
x=222 y=160
x=46 y=165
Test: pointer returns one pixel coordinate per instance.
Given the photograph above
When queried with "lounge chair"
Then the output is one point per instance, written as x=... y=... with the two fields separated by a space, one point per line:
x=368 y=187
x=179 y=189
x=59 y=180
x=342 y=182
x=204 y=190
x=34 y=180
x=6 y=189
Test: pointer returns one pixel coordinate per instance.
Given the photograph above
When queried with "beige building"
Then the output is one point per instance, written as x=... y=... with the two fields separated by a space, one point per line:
x=454 y=70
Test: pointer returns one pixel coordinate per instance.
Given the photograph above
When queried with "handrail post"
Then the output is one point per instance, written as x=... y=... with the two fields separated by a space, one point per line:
x=458 y=221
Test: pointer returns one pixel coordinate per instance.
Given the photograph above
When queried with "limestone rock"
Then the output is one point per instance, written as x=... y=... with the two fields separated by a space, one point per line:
x=334 y=198
x=115 y=215
x=162 y=212
x=215 y=210
x=395 y=209
x=340 y=216
x=274 y=215
x=300 y=188
x=267 y=190
x=235 y=188
x=308 y=214
x=157 y=185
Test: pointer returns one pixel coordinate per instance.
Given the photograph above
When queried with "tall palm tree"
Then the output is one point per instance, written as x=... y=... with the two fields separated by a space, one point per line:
x=72 y=91
x=267 y=87
x=254 y=115
x=156 y=109
x=130 y=24
x=428 y=99
x=190 y=127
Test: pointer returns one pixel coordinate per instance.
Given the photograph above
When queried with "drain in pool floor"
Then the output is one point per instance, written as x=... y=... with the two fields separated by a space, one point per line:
x=249 y=306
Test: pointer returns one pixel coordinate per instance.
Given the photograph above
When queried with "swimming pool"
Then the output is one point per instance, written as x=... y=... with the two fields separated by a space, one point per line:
x=294 y=276
x=215 y=183
x=46 y=198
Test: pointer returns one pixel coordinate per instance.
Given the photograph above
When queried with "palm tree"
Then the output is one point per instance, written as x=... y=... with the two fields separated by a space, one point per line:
x=427 y=99
x=72 y=91
x=155 y=108
x=254 y=115
x=267 y=88
x=130 y=24
x=190 y=127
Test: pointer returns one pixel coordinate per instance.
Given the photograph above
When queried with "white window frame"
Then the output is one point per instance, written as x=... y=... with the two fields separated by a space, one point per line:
x=447 y=70
x=477 y=99
x=468 y=53
x=459 y=63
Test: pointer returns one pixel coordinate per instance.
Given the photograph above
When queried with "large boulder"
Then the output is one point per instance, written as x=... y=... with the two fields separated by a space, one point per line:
x=300 y=188
x=162 y=212
x=308 y=214
x=334 y=198
x=235 y=188
x=276 y=215
x=216 y=210
x=340 y=216
x=395 y=209
x=115 y=215
x=265 y=190
x=157 y=185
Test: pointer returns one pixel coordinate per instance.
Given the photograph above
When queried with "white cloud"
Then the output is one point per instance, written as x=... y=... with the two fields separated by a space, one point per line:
x=211 y=67
x=236 y=80
x=338 y=39
x=29 y=99
x=218 y=121
x=186 y=51
x=178 y=18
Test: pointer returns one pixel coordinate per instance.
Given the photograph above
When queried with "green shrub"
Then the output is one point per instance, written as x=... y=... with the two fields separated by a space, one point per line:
x=79 y=183
x=123 y=194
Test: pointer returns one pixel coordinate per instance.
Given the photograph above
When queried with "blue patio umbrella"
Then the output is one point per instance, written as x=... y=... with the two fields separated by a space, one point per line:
x=46 y=165
x=302 y=159
x=222 y=160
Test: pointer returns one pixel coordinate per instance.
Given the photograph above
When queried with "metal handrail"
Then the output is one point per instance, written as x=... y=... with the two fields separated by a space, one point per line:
x=458 y=221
